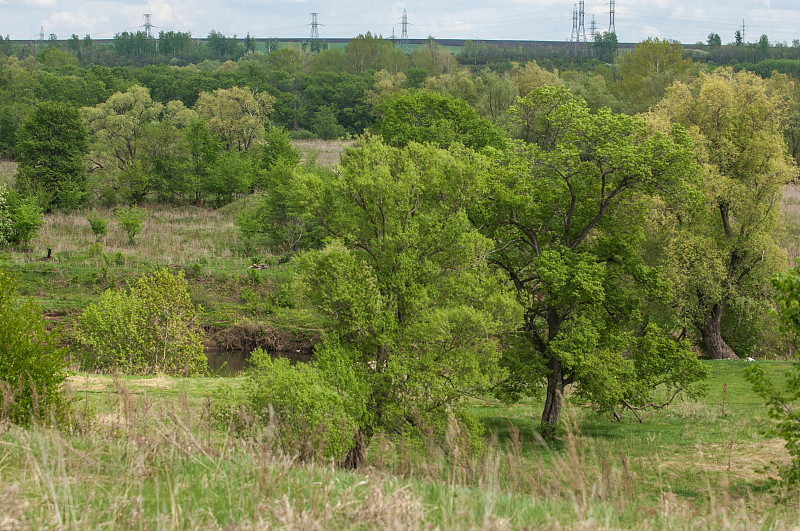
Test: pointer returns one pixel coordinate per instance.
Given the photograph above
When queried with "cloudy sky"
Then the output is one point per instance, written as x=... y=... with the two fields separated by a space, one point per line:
x=685 y=20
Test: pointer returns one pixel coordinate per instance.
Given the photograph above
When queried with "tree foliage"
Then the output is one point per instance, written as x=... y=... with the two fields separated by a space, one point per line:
x=51 y=145
x=237 y=115
x=32 y=362
x=442 y=120
x=566 y=212
x=724 y=252
x=152 y=327
x=406 y=285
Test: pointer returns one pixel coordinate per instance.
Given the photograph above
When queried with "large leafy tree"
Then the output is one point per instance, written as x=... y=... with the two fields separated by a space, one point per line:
x=50 y=149
x=566 y=212
x=441 y=119
x=236 y=114
x=724 y=252
x=649 y=69
x=406 y=284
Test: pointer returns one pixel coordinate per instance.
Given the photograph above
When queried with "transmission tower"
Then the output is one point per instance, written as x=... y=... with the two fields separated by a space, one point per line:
x=593 y=29
x=581 y=26
x=314 y=27
x=743 y=28
x=394 y=38
x=611 y=10
x=148 y=25
x=404 y=32
x=574 y=36
x=41 y=35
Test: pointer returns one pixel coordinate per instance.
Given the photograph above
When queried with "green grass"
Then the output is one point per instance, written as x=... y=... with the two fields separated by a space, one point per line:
x=146 y=452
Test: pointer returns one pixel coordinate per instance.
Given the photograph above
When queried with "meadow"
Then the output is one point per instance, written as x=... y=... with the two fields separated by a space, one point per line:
x=147 y=453
x=150 y=452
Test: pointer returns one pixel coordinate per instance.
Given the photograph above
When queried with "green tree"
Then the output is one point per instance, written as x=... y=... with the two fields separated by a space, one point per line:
x=237 y=115
x=50 y=149
x=415 y=311
x=418 y=116
x=566 y=213
x=325 y=125
x=33 y=368
x=117 y=126
x=204 y=150
x=153 y=327
x=605 y=46
x=131 y=219
x=647 y=71
x=725 y=251
x=714 y=40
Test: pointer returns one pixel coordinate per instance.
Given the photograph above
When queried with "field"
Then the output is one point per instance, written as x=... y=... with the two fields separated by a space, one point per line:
x=151 y=453
x=145 y=453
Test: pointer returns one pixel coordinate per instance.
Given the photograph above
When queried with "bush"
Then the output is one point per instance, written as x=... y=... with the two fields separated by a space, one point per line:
x=131 y=220
x=32 y=365
x=152 y=327
x=98 y=224
x=312 y=406
x=20 y=218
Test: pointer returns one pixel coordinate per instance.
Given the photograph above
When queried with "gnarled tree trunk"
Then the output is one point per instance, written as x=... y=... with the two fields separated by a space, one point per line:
x=711 y=332
x=553 y=399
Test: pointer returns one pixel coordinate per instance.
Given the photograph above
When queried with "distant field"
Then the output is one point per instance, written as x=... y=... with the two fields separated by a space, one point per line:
x=326 y=153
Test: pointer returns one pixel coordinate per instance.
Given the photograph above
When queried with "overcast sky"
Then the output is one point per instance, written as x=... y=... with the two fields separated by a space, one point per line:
x=684 y=20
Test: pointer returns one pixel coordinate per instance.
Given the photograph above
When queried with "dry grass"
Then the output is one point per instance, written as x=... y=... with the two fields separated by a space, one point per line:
x=7 y=171
x=791 y=210
x=326 y=153
x=135 y=458
x=170 y=236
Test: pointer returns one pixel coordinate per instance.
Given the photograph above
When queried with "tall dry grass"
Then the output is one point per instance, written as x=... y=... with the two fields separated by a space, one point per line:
x=791 y=211
x=170 y=235
x=326 y=153
x=132 y=459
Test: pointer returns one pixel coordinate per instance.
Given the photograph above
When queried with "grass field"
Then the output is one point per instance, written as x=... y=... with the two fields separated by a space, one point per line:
x=145 y=453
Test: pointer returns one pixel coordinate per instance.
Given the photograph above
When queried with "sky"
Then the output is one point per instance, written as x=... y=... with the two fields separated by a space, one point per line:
x=683 y=20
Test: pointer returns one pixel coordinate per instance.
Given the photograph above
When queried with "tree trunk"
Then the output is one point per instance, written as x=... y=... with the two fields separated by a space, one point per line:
x=711 y=332
x=553 y=399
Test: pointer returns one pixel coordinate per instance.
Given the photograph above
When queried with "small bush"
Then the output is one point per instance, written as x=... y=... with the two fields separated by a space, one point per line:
x=152 y=327
x=131 y=219
x=99 y=226
x=32 y=365
x=311 y=414
x=20 y=218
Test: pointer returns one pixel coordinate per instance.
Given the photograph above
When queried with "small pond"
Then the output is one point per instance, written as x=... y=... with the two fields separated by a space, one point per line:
x=232 y=362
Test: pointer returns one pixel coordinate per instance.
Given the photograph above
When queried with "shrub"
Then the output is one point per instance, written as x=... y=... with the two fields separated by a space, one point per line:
x=131 y=220
x=20 y=218
x=152 y=327
x=98 y=224
x=32 y=365
x=313 y=406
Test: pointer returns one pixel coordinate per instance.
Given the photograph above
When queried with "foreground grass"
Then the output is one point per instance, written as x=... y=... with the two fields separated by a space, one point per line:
x=146 y=453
